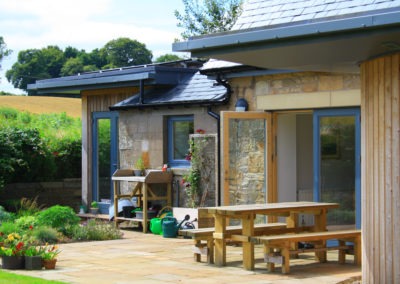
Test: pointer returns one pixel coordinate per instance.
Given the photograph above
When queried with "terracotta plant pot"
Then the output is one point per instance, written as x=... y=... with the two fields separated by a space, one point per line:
x=13 y=262
x=49 y=263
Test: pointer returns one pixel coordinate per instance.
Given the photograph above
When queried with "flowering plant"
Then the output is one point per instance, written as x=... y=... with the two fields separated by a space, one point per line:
x=12 y=245
x=49 y=252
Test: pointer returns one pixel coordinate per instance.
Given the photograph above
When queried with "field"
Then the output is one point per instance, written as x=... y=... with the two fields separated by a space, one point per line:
x=71 y=106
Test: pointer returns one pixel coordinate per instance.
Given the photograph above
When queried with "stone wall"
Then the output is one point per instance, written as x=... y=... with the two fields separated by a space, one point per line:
x=67 y=193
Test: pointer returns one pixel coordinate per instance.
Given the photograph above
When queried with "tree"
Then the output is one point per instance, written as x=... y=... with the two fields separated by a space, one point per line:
x=167 y=58
x=36 y=64
x=126 y=52
x=208 y=17
x=72 y=66
x=3 y=50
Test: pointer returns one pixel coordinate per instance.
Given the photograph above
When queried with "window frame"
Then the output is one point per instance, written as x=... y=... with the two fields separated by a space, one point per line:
x=170 y=140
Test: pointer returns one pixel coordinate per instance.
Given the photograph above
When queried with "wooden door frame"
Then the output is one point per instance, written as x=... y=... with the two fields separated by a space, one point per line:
x=270 y=168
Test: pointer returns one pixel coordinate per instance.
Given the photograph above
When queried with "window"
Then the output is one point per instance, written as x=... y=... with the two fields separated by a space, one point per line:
x=179 y=129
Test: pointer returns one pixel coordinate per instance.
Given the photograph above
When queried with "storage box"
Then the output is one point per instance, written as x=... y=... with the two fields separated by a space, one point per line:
x=150 y=214
x=104 y=207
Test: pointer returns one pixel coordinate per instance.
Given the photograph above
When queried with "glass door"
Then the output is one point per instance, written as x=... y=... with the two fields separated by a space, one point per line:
x=244 y=151
x=105 y=153
x=337 y=164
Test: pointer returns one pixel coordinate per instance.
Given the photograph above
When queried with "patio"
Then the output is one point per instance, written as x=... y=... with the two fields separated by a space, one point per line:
x=148 y=258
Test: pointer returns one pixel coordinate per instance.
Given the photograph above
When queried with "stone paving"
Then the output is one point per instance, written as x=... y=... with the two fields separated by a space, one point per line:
x=148 y=258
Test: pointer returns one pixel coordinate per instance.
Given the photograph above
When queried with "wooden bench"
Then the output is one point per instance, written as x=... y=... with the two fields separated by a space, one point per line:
x=287 y=242
x=206 y=234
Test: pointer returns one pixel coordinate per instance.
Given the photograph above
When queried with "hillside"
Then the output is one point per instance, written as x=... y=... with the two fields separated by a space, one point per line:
x=71 y=106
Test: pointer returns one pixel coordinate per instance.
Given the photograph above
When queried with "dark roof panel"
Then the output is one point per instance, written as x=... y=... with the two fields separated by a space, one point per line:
x=192 y=90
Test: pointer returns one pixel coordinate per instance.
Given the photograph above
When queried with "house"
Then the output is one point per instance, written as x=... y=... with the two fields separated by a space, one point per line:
x=331 y=110
x=151 y=108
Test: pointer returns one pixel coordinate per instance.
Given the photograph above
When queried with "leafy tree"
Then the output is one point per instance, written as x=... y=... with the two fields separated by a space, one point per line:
x=126 y=52
x=3 y=50
x=207 y=16
x=72 y=66
x=36 y=64
x=167 y=58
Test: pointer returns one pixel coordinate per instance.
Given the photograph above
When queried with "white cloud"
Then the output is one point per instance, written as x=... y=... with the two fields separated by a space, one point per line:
x=86 y=24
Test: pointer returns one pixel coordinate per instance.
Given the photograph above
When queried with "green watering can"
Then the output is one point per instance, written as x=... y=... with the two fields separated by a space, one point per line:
x=170 y=226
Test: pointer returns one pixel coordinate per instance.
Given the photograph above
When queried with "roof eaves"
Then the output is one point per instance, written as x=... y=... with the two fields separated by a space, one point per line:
x=118 y=80
x=270 y=34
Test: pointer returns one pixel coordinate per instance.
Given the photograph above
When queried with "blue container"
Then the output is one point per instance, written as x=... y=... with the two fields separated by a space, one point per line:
x=169 y=227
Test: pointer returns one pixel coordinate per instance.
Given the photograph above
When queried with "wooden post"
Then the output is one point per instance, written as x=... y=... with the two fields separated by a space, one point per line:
x=219 y=240
x=248 y=247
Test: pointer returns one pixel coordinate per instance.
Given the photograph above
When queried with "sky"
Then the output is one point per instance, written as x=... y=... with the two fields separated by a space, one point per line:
x=85 y=24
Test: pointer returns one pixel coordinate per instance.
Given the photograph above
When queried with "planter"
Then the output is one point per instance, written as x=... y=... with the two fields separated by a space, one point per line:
x=33 y=262
x=138 y=173
x=150 y=214
x=104 y=207
x=49 y=263
x=94 y=210
x=13 y=262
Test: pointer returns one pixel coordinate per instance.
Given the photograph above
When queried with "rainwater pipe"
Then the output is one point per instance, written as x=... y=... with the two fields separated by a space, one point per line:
x=218 y=118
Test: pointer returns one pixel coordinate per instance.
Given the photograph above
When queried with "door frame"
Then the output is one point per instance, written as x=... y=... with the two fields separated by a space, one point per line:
x=316 y=155
x=113 y=116
x=225 y=117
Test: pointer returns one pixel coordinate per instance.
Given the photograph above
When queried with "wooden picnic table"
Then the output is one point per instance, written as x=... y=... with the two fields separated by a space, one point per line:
x=247 y=213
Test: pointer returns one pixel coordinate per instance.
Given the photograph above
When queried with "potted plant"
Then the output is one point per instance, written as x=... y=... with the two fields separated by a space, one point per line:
x=49 y=256
x=12 y=252
x=33 y=258
x=94 y=207
x=139 y=167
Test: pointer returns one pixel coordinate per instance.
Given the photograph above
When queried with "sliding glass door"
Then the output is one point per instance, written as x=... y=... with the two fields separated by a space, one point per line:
x=337 y=164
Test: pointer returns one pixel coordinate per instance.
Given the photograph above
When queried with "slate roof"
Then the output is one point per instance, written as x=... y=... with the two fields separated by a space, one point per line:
x=194 y=89
x=262 y=13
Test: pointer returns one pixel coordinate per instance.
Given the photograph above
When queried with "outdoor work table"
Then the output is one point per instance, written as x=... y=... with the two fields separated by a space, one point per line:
x=142 y=191
x=247 y=213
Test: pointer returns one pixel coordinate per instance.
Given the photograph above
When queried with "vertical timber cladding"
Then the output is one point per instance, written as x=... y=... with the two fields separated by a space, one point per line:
x=380 y=169
x=92 y=101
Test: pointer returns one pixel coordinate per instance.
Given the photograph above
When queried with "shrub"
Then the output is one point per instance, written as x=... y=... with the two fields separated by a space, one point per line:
x=28 y=207
x=23 y=156
x=8 y=228
x=97 y=231
x=45 y=234
x=5 y=216
x=58 y=217
x=25 y=222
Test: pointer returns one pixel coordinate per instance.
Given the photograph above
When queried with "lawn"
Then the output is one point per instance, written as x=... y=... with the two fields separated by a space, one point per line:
x=6 y=277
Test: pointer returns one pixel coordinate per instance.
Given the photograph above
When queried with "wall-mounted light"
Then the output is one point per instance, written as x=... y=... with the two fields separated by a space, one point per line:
x=241 y=105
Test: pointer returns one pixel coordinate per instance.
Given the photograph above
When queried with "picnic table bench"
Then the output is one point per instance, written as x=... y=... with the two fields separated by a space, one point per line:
x=202 y=235
x=286 y=243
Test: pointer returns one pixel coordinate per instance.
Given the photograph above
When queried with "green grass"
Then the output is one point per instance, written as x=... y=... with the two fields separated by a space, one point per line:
x=6 y=277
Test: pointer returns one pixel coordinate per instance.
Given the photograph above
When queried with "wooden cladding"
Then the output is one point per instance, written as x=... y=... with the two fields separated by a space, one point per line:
x=380 y=169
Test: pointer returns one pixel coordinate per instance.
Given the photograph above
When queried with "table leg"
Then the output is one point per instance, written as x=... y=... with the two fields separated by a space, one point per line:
x=116 y=203
x=248 y=247
x=320 y=226
x=219 y=240
x=144 y=192
x=292 y=221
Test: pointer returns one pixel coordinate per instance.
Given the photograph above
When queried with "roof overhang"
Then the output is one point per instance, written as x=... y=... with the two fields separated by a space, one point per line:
x=115 y=78
x=337 y=45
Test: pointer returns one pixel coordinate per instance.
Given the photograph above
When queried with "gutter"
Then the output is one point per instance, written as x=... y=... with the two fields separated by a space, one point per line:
x=280 y=32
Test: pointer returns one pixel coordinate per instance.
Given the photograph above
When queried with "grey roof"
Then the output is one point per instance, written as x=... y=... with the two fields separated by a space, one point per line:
x=194 y=89
x=304 y=35
x=168 y=73
x=262 y=13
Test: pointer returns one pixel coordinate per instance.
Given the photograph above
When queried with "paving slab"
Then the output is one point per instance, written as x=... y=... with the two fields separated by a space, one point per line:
x=148 y=258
